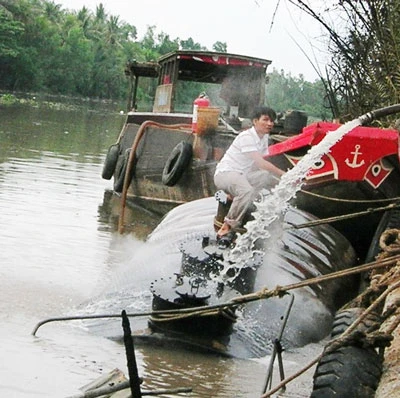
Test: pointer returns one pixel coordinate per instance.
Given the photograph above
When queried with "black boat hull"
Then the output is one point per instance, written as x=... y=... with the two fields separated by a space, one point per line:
x=294 y=255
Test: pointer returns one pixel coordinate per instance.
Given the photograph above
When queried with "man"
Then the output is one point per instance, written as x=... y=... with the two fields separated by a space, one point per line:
x=243 y=172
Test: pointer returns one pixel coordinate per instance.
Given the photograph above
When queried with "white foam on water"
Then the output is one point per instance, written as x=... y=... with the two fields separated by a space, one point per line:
x=273 y=207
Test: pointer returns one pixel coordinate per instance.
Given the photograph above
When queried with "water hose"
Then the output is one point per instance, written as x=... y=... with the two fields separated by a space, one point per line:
x=378 y=113
x=131 y=159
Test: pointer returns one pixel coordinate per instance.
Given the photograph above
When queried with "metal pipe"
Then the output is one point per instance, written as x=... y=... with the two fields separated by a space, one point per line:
x=276 y=345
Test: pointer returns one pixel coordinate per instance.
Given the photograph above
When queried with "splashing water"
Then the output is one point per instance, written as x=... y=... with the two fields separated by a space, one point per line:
x=274 y=205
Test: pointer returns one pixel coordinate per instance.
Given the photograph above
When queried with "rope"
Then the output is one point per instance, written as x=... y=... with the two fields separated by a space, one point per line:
x=333 y=199
x=264 y=293
x=280 y=291
x=389 y=242
x=378 y=282
x=390 y=281
x=344 y=216
x=349 y=336
x=200 y=313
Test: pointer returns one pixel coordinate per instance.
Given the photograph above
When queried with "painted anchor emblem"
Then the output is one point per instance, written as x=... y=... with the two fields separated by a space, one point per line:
x=353 y=164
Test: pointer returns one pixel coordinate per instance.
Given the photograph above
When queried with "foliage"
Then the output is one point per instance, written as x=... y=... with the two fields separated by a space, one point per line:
x=364 y=44
x=9 y=33
x=46 y=48
x=286 y=92
x=8 y=99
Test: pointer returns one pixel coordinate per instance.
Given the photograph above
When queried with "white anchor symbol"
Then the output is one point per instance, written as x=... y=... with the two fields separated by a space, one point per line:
x=354 y=163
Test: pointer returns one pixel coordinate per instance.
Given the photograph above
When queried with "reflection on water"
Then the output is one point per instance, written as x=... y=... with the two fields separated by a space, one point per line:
x=208 y=376
x=60 y=254
x=137 y=220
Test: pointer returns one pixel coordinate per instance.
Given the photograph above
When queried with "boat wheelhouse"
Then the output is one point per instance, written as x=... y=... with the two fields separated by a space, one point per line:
x=167 y=151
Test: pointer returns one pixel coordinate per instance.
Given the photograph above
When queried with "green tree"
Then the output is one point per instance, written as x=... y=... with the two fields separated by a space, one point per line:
x=284 y=92
x=10 y=30
x=190 y=44
x=73 y=61
x=219 y=46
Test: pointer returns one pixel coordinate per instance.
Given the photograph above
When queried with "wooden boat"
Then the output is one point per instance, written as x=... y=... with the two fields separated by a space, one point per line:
x=171 y=151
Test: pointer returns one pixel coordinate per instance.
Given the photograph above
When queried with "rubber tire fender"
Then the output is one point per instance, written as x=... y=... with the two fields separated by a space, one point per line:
x=110 y=161
x=177 y=163
x=389 y=220
x=349 y=371
x=120 y=171
x=344 y=319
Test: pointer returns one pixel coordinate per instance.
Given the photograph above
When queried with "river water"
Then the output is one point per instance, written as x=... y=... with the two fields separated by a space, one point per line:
x=61 y=255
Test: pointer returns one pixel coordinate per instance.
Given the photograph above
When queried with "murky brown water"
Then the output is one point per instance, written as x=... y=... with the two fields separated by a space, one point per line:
x=60 y=254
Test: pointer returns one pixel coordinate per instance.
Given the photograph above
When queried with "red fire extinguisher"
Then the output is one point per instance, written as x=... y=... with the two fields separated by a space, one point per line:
x=201 y=101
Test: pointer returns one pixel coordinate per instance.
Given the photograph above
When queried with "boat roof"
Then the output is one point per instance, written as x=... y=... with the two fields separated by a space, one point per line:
x=201 y=66
x=145 y=69
x=214 y=57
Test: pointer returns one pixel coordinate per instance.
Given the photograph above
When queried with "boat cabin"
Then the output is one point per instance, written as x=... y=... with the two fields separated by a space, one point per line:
x=234 y=83
x=171 y=147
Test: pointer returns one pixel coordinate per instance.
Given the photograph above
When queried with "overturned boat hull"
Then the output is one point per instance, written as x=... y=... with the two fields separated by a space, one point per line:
x=205 y=278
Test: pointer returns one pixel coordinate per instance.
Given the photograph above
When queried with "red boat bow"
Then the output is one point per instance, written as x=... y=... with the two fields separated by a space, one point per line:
x=357 y=156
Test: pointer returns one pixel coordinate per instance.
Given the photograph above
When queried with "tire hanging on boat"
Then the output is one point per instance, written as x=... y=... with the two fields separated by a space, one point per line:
x=389 y=220
x=120 y=171
x=349 y=371
x=177 y=163
x=344 y=319
x=110 y=161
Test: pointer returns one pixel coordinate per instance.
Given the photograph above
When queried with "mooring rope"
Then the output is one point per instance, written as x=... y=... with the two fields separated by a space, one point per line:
x=334 y=199
x=382 y=285
x=344 y=216
x=264 y=293
x=199 y=313
x=348 y=336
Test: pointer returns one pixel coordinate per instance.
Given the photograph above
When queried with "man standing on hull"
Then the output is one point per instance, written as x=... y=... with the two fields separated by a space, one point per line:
x=243 y=172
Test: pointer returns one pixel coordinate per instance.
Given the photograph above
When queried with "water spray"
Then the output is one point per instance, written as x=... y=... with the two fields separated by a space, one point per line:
x=276 y=204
